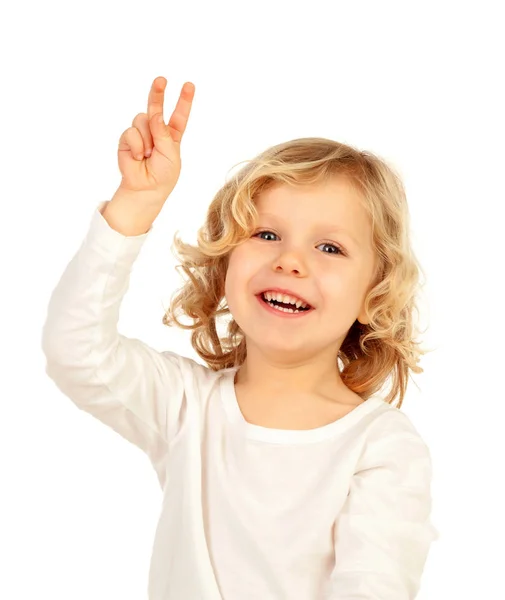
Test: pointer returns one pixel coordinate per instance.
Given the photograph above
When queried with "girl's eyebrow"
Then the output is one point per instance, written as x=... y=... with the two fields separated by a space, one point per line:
x=328 y=229
x=333 y=229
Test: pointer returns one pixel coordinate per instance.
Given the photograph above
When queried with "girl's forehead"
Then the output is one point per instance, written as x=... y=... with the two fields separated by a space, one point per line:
x=333 y=200
x=332 y=192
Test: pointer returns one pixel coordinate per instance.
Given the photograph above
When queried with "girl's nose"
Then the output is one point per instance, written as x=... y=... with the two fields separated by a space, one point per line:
x=290 y=262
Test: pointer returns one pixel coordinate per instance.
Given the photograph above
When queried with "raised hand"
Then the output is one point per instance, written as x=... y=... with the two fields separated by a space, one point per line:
x=149 y=155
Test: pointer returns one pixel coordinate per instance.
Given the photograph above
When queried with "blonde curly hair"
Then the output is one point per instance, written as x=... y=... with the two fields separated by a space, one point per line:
x=369 y=354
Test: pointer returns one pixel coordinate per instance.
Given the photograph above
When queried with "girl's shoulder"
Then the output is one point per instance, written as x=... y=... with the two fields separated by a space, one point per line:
x=392 y=423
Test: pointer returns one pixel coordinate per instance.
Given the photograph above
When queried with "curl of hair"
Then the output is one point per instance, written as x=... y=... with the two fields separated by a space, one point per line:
x=383 y=349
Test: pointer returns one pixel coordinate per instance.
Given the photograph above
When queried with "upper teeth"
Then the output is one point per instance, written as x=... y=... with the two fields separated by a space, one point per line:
x=285 y=298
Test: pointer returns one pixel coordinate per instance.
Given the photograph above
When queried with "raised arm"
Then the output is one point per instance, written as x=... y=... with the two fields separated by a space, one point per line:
x=123 y=382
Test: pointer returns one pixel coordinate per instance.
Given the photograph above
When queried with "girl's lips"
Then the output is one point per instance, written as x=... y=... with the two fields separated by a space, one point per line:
x=281 y=313
x=287 y=292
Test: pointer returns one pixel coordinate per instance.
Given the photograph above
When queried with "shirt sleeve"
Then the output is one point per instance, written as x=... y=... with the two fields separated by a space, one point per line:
x=383 y=534
x=123 y=382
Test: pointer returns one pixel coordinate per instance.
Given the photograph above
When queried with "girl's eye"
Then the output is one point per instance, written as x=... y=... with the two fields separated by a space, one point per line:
x=335 y=249
x=262 y=232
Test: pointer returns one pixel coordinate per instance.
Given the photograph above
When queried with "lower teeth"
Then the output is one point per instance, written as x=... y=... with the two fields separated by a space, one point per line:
x=288 y=310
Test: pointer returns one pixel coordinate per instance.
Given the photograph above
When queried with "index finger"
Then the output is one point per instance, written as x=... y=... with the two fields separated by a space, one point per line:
x=156 y=97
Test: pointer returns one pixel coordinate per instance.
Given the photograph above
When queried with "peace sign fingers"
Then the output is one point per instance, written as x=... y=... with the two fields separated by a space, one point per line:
x=179 y=119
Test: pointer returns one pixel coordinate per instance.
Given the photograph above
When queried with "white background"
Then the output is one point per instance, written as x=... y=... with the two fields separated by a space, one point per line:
x=417 y=83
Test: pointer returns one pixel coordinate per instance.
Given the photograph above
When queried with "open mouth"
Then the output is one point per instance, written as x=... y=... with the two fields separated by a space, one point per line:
x=285 y=307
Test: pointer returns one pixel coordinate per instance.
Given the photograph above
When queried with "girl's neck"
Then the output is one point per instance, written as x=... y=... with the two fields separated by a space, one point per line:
x=288 y=379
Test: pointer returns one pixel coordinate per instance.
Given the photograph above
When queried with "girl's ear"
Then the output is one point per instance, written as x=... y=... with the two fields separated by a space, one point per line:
x=362 y=317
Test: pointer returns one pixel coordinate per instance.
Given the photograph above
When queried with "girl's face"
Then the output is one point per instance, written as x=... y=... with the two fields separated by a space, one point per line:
x=315 y=242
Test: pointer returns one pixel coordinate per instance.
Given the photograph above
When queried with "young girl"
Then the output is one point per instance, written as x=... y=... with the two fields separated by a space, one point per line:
x=284 y=477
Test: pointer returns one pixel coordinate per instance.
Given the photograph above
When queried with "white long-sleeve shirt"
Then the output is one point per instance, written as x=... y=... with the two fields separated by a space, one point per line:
x=339 y=512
